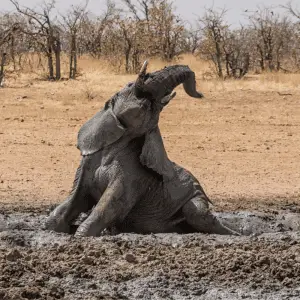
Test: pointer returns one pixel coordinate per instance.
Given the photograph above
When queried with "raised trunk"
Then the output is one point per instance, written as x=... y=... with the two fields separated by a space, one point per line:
x=162 y=83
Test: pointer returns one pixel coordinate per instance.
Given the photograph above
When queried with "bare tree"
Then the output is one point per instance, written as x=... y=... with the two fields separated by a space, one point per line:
x=6 y=36
x=213 y=25
x=72 y=23
x=161 y=32
x=193 y=39
x=273 y=33
x=46 y=34
x=292 y=9
x=141 y=9
x=236 y=50
x=93 y=32
x=2 y=64
x=125 y=35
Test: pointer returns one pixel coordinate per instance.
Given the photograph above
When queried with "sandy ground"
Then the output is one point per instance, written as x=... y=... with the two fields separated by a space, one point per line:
x=242 y=142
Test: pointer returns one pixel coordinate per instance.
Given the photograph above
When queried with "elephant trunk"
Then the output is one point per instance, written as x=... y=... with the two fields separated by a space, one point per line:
x=163 y=82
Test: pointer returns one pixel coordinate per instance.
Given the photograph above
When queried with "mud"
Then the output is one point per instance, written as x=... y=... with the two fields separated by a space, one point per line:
x=264 y=263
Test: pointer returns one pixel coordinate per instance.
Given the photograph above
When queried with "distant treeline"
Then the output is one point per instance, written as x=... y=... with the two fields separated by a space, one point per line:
x=150 y=28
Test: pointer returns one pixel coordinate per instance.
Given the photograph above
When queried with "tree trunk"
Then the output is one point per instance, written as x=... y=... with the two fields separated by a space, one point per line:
x=73 y=58
x=246 y=65
x=75 y=63
x=57 y=60
x=50 y=59
x=278 y=56
x=227 y=58
x=219 y=62
x=20 y=61
x=71 y=65
x=262 y=60
x=12 y=51
x=127 y=55
x=3 y=59
x=57 y=66
x=50 y=63
x=50 y=66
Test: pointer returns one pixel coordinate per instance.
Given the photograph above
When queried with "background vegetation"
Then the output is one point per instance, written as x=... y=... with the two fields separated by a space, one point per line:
x=38 y=38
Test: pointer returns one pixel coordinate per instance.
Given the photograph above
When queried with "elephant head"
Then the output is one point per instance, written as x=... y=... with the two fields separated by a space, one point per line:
x=134 y=112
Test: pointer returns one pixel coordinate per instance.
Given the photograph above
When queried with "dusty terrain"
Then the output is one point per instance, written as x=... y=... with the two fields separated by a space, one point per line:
x=242 y=142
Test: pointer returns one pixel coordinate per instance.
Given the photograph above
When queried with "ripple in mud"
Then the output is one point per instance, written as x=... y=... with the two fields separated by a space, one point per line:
x=262 y=264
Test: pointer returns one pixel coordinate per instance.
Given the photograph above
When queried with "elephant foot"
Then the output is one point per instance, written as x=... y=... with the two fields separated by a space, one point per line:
x=60 y=219
x=222 y=229
x=197 y=215
x=84 y=230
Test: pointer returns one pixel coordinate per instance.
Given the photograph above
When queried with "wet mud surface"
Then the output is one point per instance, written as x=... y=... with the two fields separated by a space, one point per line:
x=264 y=263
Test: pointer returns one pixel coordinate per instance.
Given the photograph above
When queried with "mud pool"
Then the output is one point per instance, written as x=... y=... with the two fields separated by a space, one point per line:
x=263 y=263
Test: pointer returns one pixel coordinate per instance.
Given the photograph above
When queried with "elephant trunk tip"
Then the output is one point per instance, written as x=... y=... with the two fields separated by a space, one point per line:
x=181 y=74
x=190 y=86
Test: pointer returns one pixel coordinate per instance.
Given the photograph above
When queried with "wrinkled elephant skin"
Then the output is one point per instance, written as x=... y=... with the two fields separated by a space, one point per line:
x=125 y=175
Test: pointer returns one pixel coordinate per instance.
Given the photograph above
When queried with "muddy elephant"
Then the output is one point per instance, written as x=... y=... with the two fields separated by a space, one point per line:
x=125 y=176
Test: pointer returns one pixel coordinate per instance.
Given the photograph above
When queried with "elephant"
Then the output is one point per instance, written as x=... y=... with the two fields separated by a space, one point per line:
x=125 y=178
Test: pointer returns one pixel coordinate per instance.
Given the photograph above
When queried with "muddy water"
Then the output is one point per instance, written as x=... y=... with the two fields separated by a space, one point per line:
x=264 y=263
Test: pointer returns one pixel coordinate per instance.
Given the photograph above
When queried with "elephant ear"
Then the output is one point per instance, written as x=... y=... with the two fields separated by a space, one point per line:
x=100 y=131
x=154 y=155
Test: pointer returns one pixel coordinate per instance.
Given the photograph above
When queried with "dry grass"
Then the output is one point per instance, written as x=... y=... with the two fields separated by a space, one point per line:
x=290 y=80
x=94 y=72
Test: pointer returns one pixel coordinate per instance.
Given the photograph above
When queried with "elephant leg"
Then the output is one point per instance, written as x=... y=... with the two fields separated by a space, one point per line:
x=62 y=216
x=111 y=207
x=79 y=201
x=197 y=214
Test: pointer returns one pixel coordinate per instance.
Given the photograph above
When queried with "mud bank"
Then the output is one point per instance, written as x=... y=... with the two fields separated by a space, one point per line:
x=264 y=263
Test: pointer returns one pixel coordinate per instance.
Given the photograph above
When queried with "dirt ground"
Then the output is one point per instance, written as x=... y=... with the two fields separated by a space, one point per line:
x=242 y=142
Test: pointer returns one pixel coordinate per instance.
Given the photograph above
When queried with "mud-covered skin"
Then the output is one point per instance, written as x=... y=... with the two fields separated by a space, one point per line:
x=125 y=176
x=39 y=264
